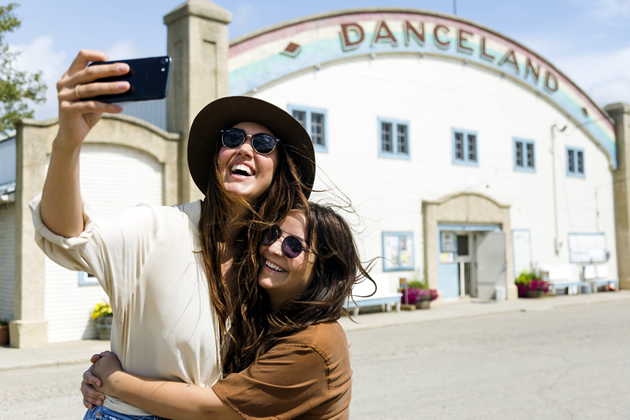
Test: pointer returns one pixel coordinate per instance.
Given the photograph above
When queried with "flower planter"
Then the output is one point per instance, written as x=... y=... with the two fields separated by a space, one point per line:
x=423 y=304
x=4 y=335
x=535 y=293
x=104 y=327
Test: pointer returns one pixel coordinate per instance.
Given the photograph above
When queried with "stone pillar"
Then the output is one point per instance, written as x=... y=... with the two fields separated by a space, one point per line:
x=620 y=112
x=29 y=328
x=198 y=43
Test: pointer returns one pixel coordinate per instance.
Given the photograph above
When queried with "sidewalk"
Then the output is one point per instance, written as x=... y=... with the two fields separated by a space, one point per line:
x=81 y=351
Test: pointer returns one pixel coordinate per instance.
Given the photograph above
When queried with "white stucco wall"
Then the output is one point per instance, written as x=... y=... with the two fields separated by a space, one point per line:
x=436 y=95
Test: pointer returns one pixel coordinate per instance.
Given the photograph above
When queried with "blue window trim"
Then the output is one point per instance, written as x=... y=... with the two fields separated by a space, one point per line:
x=575 y=173
x=84 y=280
x=394 y=154
x=309 y=111
x=465 y=161
x=413 y=250
x=525 y=142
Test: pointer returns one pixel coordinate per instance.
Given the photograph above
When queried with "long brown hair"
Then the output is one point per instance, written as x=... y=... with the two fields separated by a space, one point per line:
x=336 y=269
x=285 y=192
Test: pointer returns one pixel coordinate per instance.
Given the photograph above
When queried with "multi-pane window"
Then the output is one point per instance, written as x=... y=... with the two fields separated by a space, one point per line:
x=314 y=120
x=524 y=155
x=393 y=138
x=465 y=147
x=575 y=162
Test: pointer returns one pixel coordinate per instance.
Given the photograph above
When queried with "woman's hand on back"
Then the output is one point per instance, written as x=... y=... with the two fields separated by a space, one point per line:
x=77 y=116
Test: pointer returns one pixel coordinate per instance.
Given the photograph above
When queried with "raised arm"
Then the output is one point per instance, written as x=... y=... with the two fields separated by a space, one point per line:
x=61 y=205
x=173 y=400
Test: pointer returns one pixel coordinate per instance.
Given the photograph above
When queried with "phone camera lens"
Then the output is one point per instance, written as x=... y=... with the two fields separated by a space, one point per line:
x=163 y=69
x=164 y=60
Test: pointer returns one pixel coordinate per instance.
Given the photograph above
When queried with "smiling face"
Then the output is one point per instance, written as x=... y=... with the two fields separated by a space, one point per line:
x=244 y=171
x=285 y=278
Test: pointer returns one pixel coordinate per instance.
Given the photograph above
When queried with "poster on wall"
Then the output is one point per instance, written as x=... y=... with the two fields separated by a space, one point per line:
x=398 y=251
x=448 y=241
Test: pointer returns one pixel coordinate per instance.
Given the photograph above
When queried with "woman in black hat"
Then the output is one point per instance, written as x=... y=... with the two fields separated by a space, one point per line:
x=169 y=272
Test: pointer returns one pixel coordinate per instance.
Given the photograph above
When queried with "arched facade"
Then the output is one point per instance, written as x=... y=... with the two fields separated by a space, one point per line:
x=407 y=107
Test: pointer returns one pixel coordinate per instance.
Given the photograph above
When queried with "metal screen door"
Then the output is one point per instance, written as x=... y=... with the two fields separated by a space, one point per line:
x=490 y=264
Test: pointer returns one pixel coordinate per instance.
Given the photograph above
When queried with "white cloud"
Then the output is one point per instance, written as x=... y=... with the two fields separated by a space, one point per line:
x=602 y=75
x=122 y=50
x=40 y=55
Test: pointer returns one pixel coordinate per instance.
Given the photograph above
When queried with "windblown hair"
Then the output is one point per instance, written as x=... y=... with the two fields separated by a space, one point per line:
x=285 y=192
x=336 y=269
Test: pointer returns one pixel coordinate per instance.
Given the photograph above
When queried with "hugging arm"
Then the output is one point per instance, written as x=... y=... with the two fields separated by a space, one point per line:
x=175 y=400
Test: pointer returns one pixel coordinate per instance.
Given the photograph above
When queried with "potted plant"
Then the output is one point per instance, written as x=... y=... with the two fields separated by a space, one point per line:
x=530 y=285
x=417 y=293
x=4 y=332
x=103 y=315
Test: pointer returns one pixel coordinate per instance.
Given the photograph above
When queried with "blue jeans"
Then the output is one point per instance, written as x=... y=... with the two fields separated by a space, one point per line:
x=103 y=413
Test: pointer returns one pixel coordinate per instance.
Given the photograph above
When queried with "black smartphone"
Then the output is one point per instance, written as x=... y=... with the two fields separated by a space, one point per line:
x=148 y=78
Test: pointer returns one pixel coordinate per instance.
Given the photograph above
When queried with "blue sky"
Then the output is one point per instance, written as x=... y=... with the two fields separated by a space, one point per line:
x=589 y=40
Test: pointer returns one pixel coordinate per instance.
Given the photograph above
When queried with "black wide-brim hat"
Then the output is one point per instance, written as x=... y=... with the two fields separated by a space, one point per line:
x=205 y=136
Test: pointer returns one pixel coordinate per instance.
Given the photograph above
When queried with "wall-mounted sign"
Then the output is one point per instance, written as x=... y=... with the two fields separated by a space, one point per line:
x=398 y=251
x=448 y=241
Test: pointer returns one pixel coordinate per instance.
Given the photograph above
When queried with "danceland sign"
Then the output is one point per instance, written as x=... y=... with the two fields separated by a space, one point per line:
x=311 y=43
x=445 y=38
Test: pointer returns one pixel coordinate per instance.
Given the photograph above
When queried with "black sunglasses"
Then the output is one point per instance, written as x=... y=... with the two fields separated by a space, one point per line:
x=262 y=143
x=291 y=245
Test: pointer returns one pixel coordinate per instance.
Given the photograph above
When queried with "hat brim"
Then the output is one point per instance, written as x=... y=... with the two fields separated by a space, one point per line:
x=205 y=138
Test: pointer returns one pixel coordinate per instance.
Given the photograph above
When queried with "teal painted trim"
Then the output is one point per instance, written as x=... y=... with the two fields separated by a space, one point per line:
x=275 y=67
x=465 y=159
x=309 y=124
x=468 y=227
x=575 y=173
x=524 y=167
x=372 y=302
x=394 y=154
x=399 y=234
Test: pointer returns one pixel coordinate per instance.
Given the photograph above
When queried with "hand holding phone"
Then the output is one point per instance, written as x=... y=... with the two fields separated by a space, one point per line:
x=148 y=79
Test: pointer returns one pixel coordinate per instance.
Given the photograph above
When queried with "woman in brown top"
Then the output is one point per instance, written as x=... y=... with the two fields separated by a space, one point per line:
x=289 y=357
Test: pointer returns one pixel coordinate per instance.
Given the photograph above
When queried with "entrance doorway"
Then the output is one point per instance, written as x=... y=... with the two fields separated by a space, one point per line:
x=472 y=261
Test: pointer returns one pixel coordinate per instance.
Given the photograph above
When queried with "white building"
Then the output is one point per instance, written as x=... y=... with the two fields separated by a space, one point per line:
x=467 y=156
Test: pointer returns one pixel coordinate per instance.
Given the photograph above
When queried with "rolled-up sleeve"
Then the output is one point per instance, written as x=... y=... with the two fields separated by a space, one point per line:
x=286 y=382
x=112 y=249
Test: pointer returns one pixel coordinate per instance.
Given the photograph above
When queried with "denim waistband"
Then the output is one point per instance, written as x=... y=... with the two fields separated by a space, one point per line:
x=104 y=413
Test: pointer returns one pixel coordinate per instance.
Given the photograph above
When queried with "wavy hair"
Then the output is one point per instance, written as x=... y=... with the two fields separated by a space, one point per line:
x=337 y=267
x=285 y=192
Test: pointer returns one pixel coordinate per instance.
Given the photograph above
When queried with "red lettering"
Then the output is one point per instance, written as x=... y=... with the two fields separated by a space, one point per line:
x=551 y=78
x=529 y=69
x=383 y=34
x=462 y=37
x=484 y=53
x=510 y=58
x=436 y=37
x=411 y=31
x=346 y=30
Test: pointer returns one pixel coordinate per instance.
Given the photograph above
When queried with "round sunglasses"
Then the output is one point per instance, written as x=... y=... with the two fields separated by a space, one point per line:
x=262 y=143
x=291 y=246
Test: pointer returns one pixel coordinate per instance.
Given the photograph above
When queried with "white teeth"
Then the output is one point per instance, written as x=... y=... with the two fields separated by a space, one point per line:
x=243 y=168
x=273 y=266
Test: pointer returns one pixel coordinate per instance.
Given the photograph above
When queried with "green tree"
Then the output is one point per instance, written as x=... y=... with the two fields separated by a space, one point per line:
x=16 y=87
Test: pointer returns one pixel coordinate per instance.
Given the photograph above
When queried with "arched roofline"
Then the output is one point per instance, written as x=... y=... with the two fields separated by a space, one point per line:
x=364 y=10
x=269 y=55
